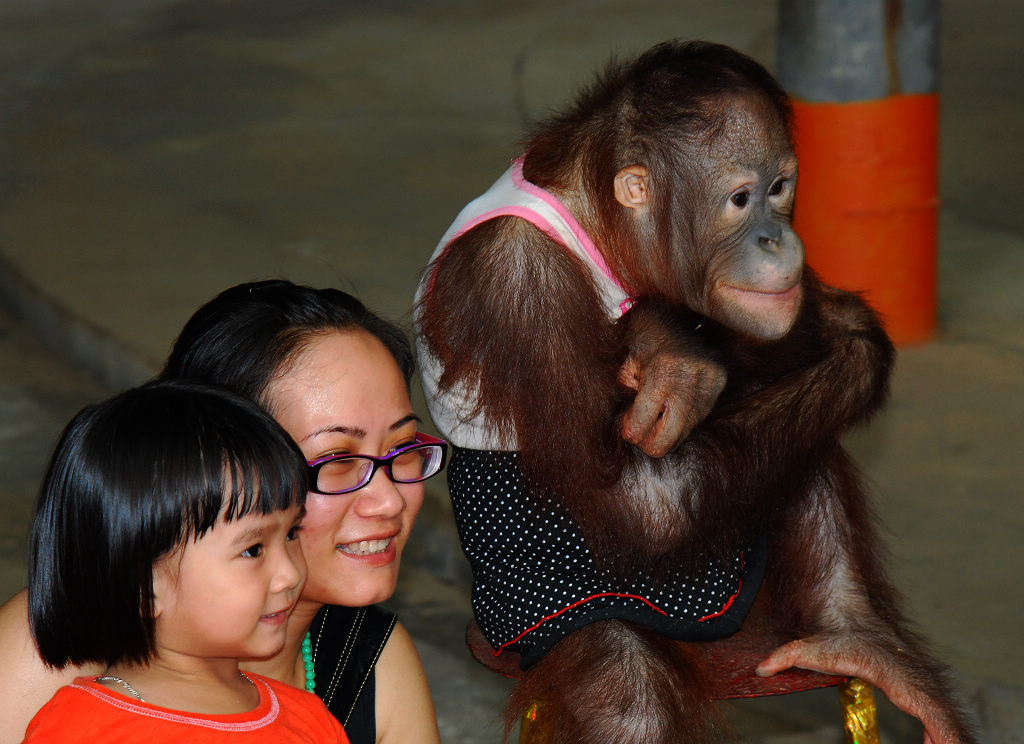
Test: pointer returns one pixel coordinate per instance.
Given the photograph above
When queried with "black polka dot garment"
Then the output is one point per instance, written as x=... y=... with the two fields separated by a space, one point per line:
x=534 y=581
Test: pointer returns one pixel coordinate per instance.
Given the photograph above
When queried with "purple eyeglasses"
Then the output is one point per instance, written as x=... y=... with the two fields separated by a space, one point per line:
x=335 y=474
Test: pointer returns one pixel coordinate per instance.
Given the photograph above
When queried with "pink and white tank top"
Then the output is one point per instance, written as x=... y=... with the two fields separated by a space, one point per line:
x=511 y=195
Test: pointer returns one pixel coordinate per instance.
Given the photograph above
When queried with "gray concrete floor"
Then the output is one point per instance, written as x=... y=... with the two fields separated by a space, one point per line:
x=153 y=152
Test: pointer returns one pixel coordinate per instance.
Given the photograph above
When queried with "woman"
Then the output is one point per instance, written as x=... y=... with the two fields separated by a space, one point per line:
x=336 y=378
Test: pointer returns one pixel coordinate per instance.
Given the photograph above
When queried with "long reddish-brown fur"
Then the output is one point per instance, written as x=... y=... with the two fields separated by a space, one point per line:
x=514 y=315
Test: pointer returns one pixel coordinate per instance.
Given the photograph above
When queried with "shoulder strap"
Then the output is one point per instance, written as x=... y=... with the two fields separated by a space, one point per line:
x=513 y=196
x=347 y=642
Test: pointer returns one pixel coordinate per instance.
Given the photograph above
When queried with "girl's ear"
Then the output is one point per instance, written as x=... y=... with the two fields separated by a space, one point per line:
x=164 y=583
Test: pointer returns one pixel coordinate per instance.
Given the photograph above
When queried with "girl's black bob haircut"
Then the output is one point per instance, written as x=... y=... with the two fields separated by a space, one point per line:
x=132 y=479
x=250 y=334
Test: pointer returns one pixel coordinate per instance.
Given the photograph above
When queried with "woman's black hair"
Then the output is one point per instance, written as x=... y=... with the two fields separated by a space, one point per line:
x=250 y=334
x=131 y=480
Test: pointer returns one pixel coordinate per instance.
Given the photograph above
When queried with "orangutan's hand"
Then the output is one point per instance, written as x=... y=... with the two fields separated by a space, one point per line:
x=674 y=393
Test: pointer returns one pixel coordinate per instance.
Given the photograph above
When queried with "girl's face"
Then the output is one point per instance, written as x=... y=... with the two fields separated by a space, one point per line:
x=229 y=593
x=345 y=394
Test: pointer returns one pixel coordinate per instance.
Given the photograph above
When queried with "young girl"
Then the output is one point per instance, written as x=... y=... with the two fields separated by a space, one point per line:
x=336 y=377
x=164 y=547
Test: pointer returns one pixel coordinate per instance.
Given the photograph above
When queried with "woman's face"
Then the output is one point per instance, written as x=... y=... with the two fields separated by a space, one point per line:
x=345 y=394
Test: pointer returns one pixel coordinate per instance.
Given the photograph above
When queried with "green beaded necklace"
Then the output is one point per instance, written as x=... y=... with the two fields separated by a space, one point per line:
x=307 y=662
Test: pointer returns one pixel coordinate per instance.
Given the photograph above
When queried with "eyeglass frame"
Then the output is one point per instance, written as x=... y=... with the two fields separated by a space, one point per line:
x=420 y=440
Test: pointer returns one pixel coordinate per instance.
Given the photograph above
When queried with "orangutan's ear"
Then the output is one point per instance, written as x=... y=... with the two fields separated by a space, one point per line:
x=631 y=186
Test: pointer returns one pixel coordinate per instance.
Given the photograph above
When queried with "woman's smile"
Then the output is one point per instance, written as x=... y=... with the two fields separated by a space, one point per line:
x=366 y=547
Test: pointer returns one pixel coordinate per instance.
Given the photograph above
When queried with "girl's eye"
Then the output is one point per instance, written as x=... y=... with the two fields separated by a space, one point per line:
x=740 y=199
x=293 y=533
x=253 y=551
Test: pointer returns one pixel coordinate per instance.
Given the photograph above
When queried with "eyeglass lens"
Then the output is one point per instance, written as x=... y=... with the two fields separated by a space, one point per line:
x=409 y=466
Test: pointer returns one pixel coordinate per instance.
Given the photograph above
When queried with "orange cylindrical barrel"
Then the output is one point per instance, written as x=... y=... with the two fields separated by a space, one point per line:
x=867 y=201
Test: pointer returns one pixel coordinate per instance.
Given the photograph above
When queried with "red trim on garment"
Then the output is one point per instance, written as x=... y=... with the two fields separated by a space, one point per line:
x=552 y=616
x=712 y=616
x=725 y=607
x=728 y=602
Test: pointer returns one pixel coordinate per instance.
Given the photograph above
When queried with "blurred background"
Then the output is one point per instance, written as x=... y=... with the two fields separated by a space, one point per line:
x=154 y=152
